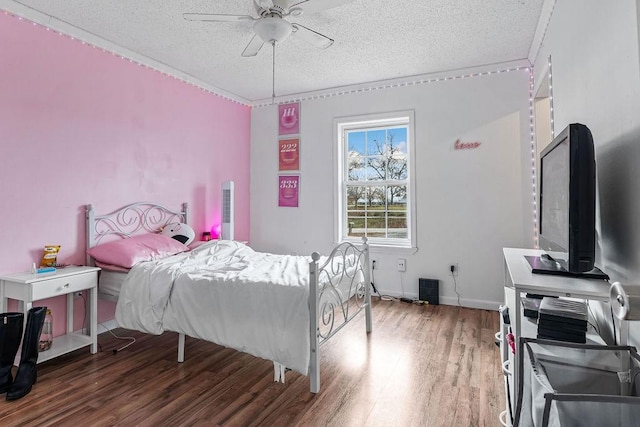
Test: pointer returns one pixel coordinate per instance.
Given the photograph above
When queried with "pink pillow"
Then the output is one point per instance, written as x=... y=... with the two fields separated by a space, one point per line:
x=112 y=267
x=130 y=251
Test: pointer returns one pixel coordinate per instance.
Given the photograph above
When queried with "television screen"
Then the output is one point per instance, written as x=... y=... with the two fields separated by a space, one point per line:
x=568 y=205
x=554 y=216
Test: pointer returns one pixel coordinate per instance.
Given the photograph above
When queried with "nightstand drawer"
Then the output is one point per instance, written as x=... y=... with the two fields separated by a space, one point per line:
x=62 y=286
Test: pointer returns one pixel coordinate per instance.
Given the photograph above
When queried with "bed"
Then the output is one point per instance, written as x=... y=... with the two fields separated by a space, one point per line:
x=278 y=307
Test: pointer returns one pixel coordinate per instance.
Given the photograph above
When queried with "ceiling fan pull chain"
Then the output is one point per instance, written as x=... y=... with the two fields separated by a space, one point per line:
x=273 y=82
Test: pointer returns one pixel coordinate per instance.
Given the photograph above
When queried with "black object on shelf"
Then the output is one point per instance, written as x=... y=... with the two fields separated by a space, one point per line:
x=530 y=307
x=563 y=320
x=541 y=265
x=504 y=311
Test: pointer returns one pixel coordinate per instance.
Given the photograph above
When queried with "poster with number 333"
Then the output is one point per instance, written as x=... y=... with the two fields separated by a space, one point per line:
x=288 y=190
x=289 y=118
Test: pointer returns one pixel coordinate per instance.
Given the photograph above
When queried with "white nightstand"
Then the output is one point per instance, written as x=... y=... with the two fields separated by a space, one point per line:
x=29 y=287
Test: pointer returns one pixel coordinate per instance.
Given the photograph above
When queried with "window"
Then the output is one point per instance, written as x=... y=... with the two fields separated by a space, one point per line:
x=375 y=176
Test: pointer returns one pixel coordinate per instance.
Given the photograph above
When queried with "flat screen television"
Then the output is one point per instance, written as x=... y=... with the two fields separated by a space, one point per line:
x=567 y=223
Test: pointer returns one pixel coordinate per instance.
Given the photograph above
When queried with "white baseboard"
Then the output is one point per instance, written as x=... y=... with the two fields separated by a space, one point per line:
x=470 y=303
x=464 y=302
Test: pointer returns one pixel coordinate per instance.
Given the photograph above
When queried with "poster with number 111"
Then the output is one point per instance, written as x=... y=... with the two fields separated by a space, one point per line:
x=289 y=118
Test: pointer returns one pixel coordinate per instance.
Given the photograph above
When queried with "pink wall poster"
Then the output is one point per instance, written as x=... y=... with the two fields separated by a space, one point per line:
x=289 y=118
x=289 y=154
x=288 y=190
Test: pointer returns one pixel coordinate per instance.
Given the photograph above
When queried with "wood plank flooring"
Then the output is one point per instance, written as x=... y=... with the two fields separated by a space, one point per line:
x=421 y=366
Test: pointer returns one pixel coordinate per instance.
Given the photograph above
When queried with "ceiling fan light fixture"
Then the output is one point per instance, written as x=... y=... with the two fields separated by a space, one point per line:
x=272 y=28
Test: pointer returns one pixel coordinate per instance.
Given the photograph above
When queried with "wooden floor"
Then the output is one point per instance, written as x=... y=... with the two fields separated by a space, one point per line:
x=421 y=366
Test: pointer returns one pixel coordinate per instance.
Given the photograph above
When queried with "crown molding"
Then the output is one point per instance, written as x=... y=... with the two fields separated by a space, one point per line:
x=38 y=18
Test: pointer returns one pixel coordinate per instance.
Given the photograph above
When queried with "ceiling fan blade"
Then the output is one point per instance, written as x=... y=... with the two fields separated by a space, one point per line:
x=216 y=17
x=313 y=6
x=253 y=47
x=265 y=4
x=310 y=36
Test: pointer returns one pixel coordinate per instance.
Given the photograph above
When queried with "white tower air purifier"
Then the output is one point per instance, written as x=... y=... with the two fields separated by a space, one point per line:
x=226 y=230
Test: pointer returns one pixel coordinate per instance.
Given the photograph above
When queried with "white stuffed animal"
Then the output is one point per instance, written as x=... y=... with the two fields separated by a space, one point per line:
x=179 y=231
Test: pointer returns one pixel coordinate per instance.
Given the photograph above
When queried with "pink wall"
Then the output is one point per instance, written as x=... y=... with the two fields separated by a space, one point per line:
x=79 y=125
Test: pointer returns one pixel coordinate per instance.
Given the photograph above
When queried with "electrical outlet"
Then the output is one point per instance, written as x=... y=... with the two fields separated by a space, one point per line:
x=77 y=294
x=453 y=268
x=402 y=264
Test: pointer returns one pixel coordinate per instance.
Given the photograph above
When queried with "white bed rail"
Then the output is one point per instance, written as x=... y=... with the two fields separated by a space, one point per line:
x=339 y=289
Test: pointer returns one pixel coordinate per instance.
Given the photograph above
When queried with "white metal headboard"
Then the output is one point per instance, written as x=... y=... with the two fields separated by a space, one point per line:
x=130 y=220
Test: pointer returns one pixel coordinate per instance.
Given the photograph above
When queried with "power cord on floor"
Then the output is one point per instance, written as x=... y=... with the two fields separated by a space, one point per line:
x=389 y=297
x=116 y=350
x=455 y=283
x=84 y=318
x=382 y=297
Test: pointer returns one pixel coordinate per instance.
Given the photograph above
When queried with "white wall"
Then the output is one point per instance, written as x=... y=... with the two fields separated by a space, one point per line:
x=470 y=203
x=596 y=81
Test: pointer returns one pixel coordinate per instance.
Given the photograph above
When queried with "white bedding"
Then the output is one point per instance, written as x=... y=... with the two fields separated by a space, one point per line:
x=226 y=293
x=111 y=282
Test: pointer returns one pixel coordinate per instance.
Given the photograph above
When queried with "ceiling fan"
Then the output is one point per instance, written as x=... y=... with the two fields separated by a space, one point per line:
x=270 y=26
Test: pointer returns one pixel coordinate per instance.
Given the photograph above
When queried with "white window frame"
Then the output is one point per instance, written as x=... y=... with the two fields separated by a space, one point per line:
x=344 y=124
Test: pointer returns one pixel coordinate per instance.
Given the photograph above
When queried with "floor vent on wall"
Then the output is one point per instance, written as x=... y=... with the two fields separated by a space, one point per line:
x=429 y=290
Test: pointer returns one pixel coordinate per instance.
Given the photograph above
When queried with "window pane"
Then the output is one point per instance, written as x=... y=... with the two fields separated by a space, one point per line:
x=397 y=166
x=397 y=153
x=355 y=156
x=397 y=205
x=375 y=142
x=356 y=170
x=398 y=225
x=356 y=142
x=377 y=222
x=397 y=197
x=356 y=223
x=356 y=197
x=397 y=137
x=376 y=169
x=376 y=198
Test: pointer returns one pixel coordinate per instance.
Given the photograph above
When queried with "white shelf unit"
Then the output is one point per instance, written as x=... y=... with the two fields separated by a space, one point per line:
x=519 y=279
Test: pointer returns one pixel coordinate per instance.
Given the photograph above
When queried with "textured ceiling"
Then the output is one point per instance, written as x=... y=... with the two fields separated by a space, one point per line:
x=374 y=39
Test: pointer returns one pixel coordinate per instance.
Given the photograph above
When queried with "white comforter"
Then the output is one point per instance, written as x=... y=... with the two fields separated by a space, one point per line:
x=226 y=293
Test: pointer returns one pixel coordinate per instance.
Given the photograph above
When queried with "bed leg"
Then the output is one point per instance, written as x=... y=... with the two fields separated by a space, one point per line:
x=367 y=288
x=180 y=348
x=314 y=373
x=367 y=309
x=314 y=342
x=278 y=372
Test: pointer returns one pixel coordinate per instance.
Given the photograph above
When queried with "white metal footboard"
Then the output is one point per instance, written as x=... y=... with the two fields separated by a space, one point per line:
x=338 y=291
